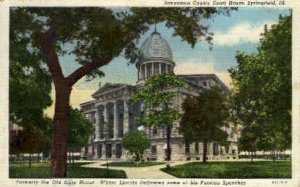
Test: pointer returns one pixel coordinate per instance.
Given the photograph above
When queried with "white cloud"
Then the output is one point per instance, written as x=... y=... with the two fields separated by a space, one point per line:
x=197 y=67
x=242 y=33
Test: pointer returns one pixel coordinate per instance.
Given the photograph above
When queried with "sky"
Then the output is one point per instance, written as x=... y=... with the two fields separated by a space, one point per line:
x=238 y=32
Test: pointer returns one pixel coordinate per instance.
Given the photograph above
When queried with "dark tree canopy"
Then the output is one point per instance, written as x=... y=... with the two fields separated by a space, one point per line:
x=262 y=81
x=204 y=118
x=29 y=80
x=80 y=129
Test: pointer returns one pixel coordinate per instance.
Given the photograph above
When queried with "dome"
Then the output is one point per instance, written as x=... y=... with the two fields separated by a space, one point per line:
x=155 y=47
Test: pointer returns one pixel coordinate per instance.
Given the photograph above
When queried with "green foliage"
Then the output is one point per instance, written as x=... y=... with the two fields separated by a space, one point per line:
x=136 y=143
x=204 y=116
x=43 y=170
x=29 y=80
x=232 y=170
x=261 y=100
x=117 y=31
x=31 y=141
x=157 y=95
x=80 y=129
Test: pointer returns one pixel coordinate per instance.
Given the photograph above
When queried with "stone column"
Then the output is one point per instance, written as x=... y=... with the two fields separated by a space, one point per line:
x=97 y=124
x=105 y=120
x=145 y=72
x=159 y=68
x=152 y=68
x=140 y=72
x=126 y=117
x=116 y=120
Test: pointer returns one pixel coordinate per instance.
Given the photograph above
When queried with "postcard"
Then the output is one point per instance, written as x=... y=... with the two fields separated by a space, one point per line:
x=152 y=93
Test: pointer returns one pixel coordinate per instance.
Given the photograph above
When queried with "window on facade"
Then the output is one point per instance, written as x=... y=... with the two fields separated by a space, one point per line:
x=148 y=66
x=108 y=151
x=163 y=68
x=143 y=72
x=156 y=68
x=233 y=151
x=197 y=147
x=86 y=150
x=93 y=118
x=93 y=150
x=153 y=149
x=187 y=148
x=99 y=151
x=204 y=83
x=118 y=150
x=154 y=131
x=169 y=68
x=215 y=149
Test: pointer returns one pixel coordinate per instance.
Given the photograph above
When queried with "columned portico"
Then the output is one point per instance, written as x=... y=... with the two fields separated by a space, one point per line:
x=116 y=114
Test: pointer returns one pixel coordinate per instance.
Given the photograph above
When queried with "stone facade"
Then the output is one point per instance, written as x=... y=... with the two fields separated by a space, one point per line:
x=114 y=114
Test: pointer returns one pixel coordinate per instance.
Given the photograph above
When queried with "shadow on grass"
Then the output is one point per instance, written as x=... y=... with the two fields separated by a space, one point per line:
x=240 y=170
x=43 y=170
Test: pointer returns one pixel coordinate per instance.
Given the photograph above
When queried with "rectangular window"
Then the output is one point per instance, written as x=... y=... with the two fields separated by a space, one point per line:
x=154 y=131
x=215 y=149
x=153 y=149
x=197 y=148
x=187 y=148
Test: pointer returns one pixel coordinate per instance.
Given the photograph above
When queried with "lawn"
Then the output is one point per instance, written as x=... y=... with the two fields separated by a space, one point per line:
x=42 y=170
x=241 y=170
x=133 y=164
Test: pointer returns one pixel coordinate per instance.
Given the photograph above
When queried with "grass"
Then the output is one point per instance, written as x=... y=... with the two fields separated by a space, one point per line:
x=241 y=170
x=42 y=170
x=133 y=164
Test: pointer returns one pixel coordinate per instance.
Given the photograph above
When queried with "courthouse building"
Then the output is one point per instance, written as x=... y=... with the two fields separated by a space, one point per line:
x=114 y=114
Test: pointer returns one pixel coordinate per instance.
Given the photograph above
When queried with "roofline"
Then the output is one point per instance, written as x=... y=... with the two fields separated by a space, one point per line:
x=87 y=103
x=107 y=91
x=211 y=74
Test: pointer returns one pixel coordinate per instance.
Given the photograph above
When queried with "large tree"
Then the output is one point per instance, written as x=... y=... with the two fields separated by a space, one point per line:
x=156 y=96
x=204 y=118
x=136 y=143
x=97 y=36
x=261 y=99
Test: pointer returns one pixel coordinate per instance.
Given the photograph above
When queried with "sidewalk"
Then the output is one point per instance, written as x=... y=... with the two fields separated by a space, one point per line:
x=150 y=172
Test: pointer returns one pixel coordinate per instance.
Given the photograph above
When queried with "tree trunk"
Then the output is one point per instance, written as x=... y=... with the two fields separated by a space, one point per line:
x=274 y=156
x=204 y=158
x=61 y=118
x=73 y=165
x=169 y=143
x=29 y=160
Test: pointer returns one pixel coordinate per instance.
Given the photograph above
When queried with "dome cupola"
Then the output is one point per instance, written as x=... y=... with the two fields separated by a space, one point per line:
x=155 y=57
x=155 y=47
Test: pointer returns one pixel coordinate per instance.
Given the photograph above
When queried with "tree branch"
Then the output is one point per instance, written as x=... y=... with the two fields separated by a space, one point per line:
x=86 y=69
x=49 y=53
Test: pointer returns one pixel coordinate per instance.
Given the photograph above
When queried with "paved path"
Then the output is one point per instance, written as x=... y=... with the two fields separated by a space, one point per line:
x=150 y=172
